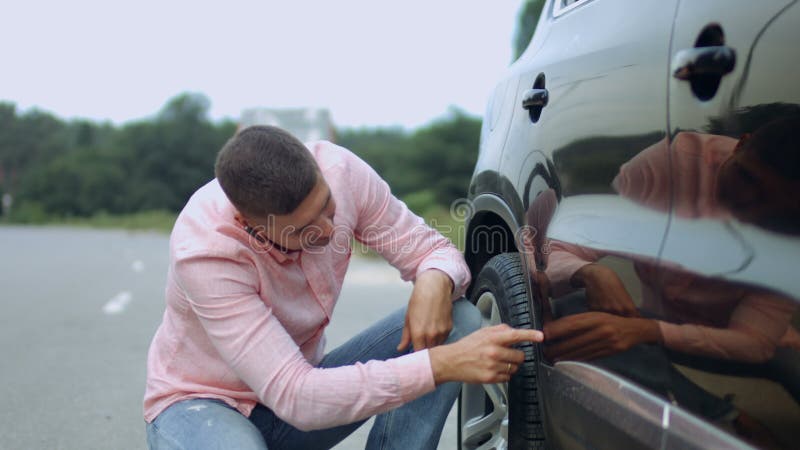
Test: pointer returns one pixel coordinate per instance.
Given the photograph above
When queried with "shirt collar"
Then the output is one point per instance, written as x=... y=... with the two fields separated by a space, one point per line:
x=283 y=257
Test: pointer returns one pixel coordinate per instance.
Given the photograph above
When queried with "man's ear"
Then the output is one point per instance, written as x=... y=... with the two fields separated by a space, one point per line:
x=237 y=216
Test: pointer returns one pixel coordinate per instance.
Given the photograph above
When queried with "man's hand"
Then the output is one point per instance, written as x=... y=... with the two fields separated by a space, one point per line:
x=604 y=290
x=593 y=335
x=484 y=356
x=429 y=317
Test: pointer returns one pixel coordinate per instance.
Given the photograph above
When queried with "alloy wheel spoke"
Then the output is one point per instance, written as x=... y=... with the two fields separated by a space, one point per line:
x=489 y=430
x=475 y=430
x=497 y=394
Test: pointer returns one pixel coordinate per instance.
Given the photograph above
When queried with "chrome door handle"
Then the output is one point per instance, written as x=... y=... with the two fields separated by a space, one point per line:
x=710 y=61
x=535 y=98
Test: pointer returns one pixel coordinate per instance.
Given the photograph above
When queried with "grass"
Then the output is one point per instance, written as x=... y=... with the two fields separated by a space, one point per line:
x=446 y=223
x=161 y=221
x=437 y=218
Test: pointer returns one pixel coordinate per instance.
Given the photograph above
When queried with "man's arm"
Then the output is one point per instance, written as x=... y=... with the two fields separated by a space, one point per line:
x=253 y=343
x=571 y=266
x=241 y=326
x=429 y=316
x=756 y=327
x=419 y=252
x=754 y=331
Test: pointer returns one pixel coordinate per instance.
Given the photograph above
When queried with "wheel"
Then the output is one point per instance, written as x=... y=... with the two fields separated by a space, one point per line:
x=507 y=415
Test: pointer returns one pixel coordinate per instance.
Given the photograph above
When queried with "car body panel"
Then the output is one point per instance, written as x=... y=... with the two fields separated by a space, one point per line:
x=763 y=34
x=630 y=417
x=593 y=103
x=612 y=102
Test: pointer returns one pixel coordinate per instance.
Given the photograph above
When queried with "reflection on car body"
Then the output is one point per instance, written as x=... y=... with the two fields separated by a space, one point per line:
x=652 y=205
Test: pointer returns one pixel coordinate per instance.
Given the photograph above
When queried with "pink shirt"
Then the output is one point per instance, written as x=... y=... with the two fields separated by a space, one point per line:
x=246 y=325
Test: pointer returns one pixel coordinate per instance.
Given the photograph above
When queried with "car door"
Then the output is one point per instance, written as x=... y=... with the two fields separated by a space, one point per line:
x=591 y=95
x=734 y=105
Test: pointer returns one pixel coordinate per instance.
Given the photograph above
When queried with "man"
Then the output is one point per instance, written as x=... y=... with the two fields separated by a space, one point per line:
x=258 y=256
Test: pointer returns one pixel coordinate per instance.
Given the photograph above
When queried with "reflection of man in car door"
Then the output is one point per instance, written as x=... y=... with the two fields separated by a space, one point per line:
x=755 y=179
x=716 y=177
x=760 y=182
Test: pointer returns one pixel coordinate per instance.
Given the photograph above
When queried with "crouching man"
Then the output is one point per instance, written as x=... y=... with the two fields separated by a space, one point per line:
x=257 y=260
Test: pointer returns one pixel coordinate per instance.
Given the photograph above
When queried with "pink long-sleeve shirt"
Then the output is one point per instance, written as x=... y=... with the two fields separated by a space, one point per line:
x=245 y=324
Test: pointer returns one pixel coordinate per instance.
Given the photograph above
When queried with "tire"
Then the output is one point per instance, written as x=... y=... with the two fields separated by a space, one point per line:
x=507 y=415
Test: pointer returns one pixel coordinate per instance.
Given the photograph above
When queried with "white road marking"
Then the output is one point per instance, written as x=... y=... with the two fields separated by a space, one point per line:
x=196 y=407
x=118 y=303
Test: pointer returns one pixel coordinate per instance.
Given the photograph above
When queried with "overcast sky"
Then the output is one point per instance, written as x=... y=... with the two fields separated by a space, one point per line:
x=370 y=62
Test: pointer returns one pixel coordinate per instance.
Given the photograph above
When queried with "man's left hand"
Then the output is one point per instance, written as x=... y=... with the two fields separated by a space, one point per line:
x=429 y=316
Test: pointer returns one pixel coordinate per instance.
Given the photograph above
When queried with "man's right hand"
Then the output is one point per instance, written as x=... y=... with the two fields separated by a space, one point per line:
x=604 y=290
x=482 y=357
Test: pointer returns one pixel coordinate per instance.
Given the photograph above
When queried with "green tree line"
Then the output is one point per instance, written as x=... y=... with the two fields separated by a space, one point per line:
x=57 y=169
x=428 y=168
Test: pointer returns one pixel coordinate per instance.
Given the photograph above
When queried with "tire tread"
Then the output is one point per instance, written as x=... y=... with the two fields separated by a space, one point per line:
x=503 y=275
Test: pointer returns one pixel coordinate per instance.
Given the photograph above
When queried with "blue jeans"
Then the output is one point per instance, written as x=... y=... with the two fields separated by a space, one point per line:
x=212 y=424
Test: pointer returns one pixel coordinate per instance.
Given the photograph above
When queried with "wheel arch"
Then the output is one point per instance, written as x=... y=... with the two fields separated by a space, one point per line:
x=492 y=230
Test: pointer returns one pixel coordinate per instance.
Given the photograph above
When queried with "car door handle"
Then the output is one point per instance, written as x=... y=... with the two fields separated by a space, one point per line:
x=535 y=98
x=710 y=61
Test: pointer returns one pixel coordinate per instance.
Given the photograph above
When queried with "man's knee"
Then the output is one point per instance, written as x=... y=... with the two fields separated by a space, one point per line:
x=466 y=319
x=203 y=424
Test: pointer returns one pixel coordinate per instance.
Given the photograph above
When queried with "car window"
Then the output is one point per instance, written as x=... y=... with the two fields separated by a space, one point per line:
x=562 y=6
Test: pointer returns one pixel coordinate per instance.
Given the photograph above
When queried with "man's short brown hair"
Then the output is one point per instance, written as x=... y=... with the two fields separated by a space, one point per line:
x=264 y=170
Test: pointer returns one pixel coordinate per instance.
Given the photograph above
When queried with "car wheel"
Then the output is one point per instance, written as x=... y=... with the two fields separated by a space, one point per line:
x=507 y=415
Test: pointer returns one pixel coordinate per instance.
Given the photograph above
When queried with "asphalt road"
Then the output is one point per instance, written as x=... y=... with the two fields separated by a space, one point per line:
x=79 y=309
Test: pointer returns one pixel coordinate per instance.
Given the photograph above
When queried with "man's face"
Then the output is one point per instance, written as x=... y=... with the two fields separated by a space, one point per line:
x=310 y=225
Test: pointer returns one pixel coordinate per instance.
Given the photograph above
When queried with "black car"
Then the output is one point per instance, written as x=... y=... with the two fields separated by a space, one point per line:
x=637 y=196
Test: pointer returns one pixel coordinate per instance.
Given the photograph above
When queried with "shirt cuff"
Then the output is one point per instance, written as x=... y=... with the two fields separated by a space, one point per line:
x=673 y=337
x=415 y=375
x=457 y=273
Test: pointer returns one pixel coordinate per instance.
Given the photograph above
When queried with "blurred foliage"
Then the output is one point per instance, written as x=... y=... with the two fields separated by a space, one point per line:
x=527 y=19
x=56 y=169
x=81 y=172
x=427 y=168
x=438 y=218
